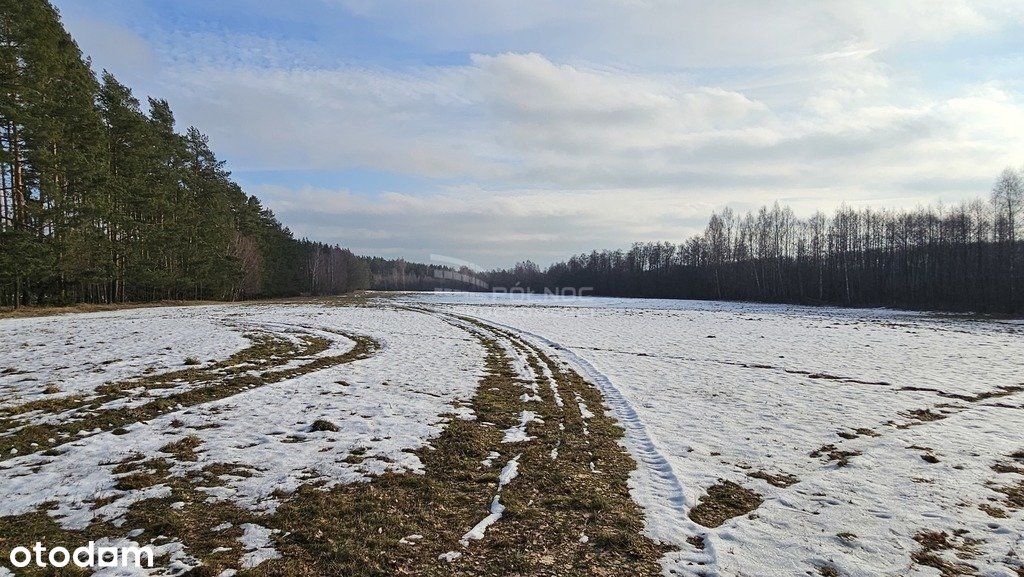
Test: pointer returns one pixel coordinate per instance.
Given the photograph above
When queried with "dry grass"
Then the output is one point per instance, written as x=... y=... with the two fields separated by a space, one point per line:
x=722 y=502
x=833 y=454
x=782 y=480
x=355 y=529
x=1014 y=495
x=993 y=511
x=934 y=543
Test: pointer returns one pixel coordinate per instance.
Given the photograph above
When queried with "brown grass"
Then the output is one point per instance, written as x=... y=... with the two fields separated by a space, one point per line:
x=51 y=310
x=722 y=502
x=833 y=454
x=933 y=543
x=355 y=529
x=782 y=480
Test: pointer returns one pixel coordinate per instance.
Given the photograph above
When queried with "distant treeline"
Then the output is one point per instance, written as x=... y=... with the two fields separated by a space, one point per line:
x=103 y=202
x=399 y=275
x=964 y=258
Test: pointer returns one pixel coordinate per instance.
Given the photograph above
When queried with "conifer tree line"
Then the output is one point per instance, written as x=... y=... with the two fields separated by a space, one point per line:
x=101 y=200
x=968 y=257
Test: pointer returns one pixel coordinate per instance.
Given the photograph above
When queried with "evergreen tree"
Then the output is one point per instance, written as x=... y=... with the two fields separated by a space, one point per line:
x=102 y=202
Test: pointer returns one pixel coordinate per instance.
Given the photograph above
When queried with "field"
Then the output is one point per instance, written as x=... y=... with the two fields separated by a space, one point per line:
x=471 y=434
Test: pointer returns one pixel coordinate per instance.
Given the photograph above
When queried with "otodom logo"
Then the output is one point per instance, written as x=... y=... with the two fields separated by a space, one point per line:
x=90 y=555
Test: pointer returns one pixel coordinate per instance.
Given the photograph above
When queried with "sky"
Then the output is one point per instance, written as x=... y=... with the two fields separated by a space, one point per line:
x=494 y=132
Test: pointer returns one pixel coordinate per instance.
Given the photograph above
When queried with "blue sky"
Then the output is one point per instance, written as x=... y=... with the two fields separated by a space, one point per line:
x=498 y=131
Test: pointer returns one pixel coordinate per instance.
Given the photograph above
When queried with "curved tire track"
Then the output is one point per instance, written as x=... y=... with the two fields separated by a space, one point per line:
x=663 y=486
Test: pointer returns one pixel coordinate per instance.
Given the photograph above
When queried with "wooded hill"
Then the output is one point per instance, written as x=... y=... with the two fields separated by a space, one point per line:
x=102 y=201
x=964 y=258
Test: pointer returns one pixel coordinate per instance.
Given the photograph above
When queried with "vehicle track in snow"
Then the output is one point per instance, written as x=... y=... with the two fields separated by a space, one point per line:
x=655 y=485
x=279 y=351
x=484 y=502
x=552 y=501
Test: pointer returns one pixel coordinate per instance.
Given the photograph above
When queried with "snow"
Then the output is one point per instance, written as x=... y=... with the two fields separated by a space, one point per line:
x=509 y=472
x=178 y=560
x=77 y=353
x=517 y=434
x=384 y=407
x=478 y=531
x=258 y=544
x=410 y=539
x=705 y=391
x=584 y=411
x=774 y=384
x=489 y=461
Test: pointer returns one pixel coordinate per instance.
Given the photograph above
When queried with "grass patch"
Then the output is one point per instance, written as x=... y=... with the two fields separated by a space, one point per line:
x=183 y=449
x=1013 y=495
x=782 y=480
x=358 y=529
x=934 y=543
x=722 y=502
x=833 y=454
x=321 y=425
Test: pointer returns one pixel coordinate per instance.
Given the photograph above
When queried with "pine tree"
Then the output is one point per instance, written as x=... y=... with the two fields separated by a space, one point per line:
x=102 y=202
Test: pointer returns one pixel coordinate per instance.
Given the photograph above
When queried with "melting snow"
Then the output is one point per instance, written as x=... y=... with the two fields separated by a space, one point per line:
x=776 y=384
x=258 y=544
x=385 y=406
x=517 y=434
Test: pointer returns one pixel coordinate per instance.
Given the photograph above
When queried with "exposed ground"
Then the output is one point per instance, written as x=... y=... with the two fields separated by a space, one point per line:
x=444 y=434
x=493 y=493
x=775 y=440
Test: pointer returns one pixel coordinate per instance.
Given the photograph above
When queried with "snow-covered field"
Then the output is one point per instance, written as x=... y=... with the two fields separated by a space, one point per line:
x=710 y=391
x=382 y=406
x=863 y=431
x=76 y=353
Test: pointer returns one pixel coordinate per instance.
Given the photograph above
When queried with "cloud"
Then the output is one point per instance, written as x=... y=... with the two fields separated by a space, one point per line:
x=687 y=33
x=500 y=116
x=113 y=46
x=548 y=128
x=491 y=228
x=522 y=121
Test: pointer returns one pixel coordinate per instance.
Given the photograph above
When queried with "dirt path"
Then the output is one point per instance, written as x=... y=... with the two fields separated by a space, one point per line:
x=536 y=484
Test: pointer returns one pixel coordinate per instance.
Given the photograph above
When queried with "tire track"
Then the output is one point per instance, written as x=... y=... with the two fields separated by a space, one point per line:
x=274 y=358
x=656 y=487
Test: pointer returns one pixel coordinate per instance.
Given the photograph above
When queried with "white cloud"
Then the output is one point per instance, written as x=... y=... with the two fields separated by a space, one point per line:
x=521 y=120
x=113 y=46
x=594 y=123
x=488 y=227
